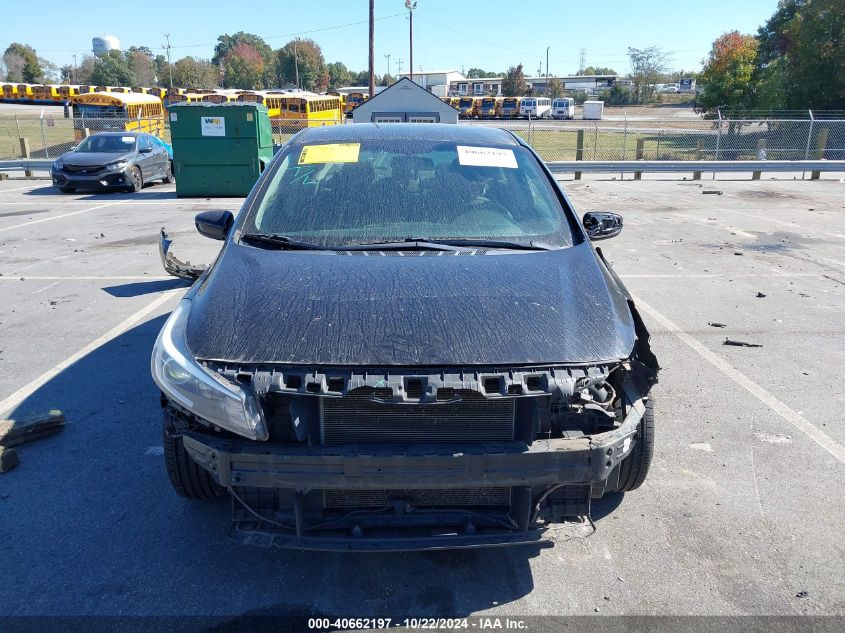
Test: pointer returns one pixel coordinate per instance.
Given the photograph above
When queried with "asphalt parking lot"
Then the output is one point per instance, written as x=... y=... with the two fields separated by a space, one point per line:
x=742 y=513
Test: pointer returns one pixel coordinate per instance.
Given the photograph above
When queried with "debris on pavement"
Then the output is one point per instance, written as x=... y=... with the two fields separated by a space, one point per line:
x=31 y=427
x=717 y=192
x=8 y=459
x=761 y=295
x=802 y=594
x=740 y=343
x=716 y=324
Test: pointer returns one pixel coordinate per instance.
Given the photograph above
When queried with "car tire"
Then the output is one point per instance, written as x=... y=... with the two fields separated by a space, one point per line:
x=634 y=468
x=188 y=479
x=67 y=189
x=169 y=178
x=136 y=180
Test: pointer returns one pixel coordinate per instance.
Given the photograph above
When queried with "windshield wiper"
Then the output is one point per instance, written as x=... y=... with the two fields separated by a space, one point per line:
x=448 y=244
x=281 y=241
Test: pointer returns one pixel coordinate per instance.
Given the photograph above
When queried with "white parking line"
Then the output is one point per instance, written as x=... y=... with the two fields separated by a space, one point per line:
x=26 y=391
x=57 y=217
x=20 y=188
x=783 y=410
x=718 y=275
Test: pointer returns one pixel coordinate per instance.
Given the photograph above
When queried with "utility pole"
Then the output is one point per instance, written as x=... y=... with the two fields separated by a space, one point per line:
x=75 y=71
x=399 y=64
x=296 y=62
x=388 y=63
x=411 y=6
x=547 y=60
x=169 y=67
x=372 y=48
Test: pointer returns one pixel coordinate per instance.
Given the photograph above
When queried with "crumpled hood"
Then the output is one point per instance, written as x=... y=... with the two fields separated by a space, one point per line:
x=306 y=308
x=94 y=159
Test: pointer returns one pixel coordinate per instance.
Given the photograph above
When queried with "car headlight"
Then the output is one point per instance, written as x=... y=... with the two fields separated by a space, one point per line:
x=118 y=165
x=204 y=393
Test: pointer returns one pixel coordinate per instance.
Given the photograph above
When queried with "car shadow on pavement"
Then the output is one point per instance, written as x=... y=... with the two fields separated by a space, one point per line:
x=92 y=526
x=147 y=193
x=139 y=288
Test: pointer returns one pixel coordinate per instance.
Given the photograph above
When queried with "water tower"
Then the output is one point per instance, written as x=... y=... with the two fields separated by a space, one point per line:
x=103 y=44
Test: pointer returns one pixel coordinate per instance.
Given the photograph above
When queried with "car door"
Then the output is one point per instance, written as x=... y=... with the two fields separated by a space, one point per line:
x=147 y=158
x=161 y=154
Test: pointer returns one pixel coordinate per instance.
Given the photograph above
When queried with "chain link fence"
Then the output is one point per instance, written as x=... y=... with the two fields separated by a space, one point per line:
x=681 y=139
x=619 y=138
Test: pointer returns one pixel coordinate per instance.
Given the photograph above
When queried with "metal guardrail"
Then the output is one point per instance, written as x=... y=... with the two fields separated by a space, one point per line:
x=658 y=166
x=26 y=164
x=600 y=166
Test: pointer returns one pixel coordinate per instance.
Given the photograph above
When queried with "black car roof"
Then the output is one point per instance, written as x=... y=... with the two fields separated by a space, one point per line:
x=406 y=132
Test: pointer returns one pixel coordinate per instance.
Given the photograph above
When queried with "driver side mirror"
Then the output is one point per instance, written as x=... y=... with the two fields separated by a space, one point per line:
x=145 y=150
x=602 y=225
x=214 y=224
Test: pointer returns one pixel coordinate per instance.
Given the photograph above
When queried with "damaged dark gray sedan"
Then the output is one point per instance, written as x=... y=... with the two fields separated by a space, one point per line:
x=407 y=341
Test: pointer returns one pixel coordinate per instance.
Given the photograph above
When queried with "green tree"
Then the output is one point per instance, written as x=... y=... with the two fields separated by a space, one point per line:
x=225 y=44
x=113 y=69
x=195 y=73
x=140 y=60
x=554 y=88
x=31 y=71
x=243 y=68
x=513 y=83
x=597 y=70
x=387 y=80
x=727 y=73
x=339 y=75
x=647 y=65
x=478 y=73
x=306 y=57
x=362 y=78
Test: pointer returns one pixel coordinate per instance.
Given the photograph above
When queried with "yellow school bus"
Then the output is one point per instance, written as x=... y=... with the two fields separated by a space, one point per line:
x=68 y=91
x=310 y=110
x=47 y=94
x=510 y=107
x=490 y=108
x=468 y=107
x=353 y=100
x=217 y=98
x=115 y=112
x=271 y=102
x=24 y=93
x=9 y=92
x=161 y=93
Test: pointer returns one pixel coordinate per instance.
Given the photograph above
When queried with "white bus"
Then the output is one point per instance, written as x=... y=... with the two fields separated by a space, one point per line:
x=535 y=107
x=563 y=108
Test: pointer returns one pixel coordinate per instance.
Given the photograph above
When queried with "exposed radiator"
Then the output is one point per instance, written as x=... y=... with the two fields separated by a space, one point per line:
x=356 y=419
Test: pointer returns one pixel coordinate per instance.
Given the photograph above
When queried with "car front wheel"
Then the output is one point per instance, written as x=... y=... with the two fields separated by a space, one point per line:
x=634 y=468
x=136 y=181
x=187 y=478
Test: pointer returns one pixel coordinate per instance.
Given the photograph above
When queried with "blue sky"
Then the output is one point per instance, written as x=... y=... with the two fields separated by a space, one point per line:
x=448 y=34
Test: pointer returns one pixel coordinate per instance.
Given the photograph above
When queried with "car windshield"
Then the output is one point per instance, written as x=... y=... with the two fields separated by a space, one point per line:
x=107 y=144
x=374 y=191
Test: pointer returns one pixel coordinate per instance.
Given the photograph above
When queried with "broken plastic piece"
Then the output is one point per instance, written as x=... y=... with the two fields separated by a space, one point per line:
x=740 y=343
x=174 y=266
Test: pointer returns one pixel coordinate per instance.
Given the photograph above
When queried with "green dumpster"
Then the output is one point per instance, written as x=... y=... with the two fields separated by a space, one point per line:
x=219 y=149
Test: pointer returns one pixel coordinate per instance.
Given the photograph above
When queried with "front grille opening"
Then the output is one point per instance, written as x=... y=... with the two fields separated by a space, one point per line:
x=244 y=378
x=335 y=383
x=514 y=390
x=463 y=497
x=293 y=381
x=383 y=393
x=470 y=417
x=535 y=383
x=414 y=388
x=493 y=385
x=313 y=387
x=445 y=393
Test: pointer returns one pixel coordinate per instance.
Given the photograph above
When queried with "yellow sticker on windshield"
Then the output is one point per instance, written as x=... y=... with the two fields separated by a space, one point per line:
x=331 y=153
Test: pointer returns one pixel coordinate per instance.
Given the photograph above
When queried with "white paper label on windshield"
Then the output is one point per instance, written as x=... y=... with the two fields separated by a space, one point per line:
x=213 y=126
x=127 y=139
x=486 y=157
